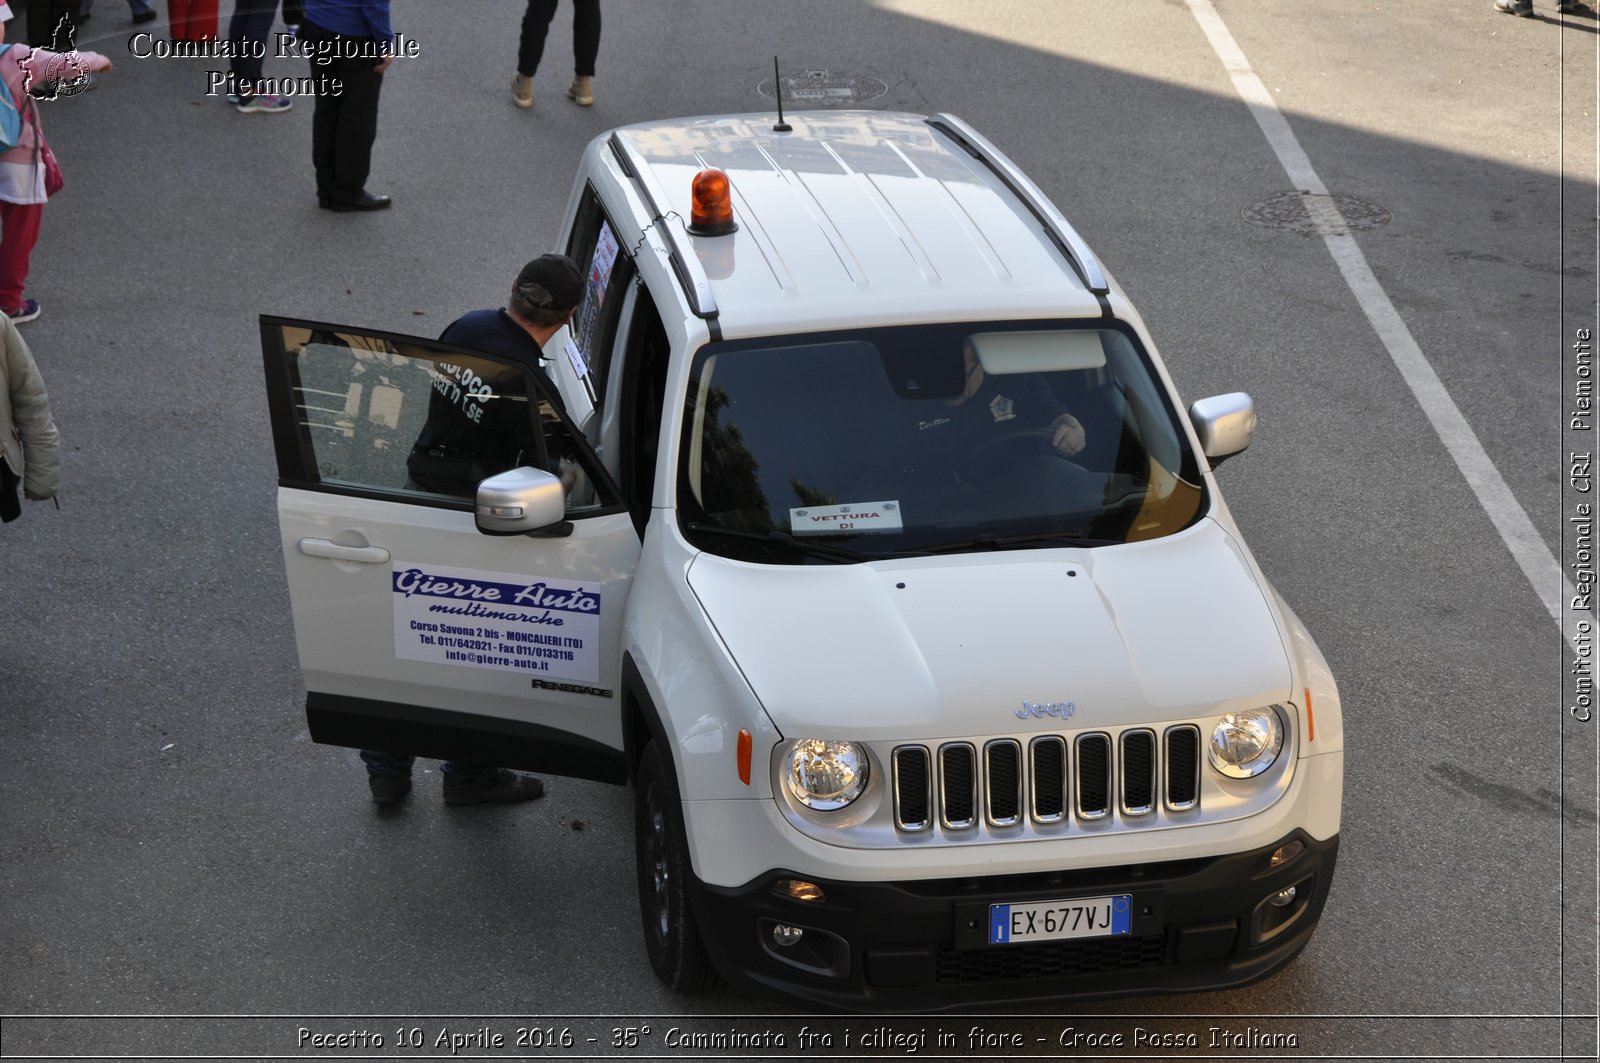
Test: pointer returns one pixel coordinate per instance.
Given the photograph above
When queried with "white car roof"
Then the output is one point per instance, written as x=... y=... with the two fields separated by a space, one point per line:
x=860 y=218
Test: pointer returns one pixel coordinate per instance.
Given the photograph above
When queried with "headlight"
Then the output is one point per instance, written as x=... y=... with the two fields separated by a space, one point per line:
x=826 y=775
x=1244 y=744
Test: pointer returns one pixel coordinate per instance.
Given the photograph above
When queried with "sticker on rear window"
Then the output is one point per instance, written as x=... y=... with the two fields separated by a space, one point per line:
x=846 y=520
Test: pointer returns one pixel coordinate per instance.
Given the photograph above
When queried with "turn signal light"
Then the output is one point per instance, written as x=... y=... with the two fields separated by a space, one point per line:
x=745 y=744
x=1285 y=853
x=712 y=212
x=798 y=890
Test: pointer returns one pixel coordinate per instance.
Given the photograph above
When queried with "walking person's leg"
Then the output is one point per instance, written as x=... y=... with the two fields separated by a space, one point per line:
x=530 y=48
x=585 y=47
x=247 y=32
x=181 y=15
x=19 y=232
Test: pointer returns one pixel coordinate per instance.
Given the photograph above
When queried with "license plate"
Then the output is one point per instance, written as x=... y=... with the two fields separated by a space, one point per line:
x=1080 y=917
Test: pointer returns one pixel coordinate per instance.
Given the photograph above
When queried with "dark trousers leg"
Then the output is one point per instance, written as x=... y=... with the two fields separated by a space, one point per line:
x=535 y=25
x=343 y=127
x=357 y=128
x=43 y=17
x=247 y=29
x=585 y=36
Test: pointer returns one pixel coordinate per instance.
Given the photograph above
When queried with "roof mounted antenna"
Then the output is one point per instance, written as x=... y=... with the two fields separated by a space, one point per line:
x=777 y=89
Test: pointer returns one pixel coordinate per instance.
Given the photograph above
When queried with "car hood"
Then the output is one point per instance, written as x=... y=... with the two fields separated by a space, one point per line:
x=948 y=646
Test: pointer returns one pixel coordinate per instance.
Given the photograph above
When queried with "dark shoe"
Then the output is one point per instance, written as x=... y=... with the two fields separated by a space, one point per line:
x=502 y=788
x=324 y=202
x=368 y=201
x=388 y=789
x=145 y=16
x=26 y=312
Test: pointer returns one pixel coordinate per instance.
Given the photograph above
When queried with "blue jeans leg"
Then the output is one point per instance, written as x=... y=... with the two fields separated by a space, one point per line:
x=467 y=774
x=379 y=763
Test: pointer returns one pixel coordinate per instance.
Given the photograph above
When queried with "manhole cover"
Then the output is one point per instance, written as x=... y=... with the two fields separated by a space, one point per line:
x=824 y=87
x=1292 y=211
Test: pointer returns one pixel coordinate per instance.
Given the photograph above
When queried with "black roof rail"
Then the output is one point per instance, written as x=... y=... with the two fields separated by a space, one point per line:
x=685 y=263
x=1056 y=226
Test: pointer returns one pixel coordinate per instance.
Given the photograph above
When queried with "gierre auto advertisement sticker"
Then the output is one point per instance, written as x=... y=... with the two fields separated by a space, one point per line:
x=549 y=628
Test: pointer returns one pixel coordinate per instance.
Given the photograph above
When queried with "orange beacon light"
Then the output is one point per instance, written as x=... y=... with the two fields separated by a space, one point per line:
x=712 y=213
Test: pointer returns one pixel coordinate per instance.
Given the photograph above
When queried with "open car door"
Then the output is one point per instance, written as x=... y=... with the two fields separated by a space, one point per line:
x=417 y=632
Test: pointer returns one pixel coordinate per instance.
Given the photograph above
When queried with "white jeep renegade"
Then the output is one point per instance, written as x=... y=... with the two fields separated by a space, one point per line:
x=866 y=535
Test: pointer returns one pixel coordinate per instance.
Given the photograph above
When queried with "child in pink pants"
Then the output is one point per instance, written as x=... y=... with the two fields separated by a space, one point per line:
x=22 y=191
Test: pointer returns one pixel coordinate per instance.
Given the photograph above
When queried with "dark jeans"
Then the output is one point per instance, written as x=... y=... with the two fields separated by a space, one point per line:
x=251 y=22
x=585 y=35
x=396 y=764
x=343 y=127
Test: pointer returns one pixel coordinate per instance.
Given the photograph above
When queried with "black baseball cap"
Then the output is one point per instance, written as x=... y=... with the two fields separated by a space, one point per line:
x=551 y=282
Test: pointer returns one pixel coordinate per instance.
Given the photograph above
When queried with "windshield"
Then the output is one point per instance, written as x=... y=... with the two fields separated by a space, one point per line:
x=923 y=439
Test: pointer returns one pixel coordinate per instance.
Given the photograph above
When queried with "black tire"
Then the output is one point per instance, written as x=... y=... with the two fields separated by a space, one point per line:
x=671 y=932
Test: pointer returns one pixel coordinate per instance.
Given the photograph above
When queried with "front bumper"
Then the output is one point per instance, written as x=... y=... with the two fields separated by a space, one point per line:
x=920 y=946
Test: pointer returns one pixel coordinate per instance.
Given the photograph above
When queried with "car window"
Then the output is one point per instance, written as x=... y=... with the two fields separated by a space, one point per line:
x=415 y=419
x=606 y=268
x=921 y=439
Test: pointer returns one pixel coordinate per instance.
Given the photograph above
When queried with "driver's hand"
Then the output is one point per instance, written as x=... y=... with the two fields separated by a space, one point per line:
x=1067 y=435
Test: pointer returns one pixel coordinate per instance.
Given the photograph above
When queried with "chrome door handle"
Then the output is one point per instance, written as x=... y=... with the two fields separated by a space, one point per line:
x=371 y=555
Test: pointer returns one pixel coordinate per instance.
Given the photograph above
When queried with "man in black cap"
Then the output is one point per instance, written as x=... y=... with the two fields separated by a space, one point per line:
x=545 y=296
x=461 y=443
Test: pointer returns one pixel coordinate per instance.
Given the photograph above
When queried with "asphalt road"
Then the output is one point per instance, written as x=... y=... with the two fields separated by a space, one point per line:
x=172 y=843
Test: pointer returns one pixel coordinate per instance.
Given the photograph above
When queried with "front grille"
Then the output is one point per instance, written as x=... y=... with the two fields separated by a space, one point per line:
x=913 y=788
x=958 y=781
x=1004 y=761
x=1054 y=959
x=1094 y=776
x=1183 y=766
x=1138 y=772
x=1053 y=780
x=1049 y=779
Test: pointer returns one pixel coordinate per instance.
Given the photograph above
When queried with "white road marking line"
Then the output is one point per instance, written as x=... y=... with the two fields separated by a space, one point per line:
x=1505 y=512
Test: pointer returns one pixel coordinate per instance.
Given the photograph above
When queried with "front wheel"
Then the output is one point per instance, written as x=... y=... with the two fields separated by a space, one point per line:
x=671 y=933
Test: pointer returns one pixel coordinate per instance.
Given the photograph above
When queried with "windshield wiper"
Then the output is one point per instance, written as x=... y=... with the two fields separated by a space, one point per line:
x=1005 y=542
x=832 y=553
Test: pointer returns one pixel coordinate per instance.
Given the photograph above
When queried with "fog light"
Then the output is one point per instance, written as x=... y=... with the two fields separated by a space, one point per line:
x=798 y=890
x=788 y=936
x=1283 y=898
x=1284 y=853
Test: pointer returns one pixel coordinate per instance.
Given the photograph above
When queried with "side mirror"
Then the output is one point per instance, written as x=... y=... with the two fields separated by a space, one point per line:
x=520 y=501
x=1224 y=424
